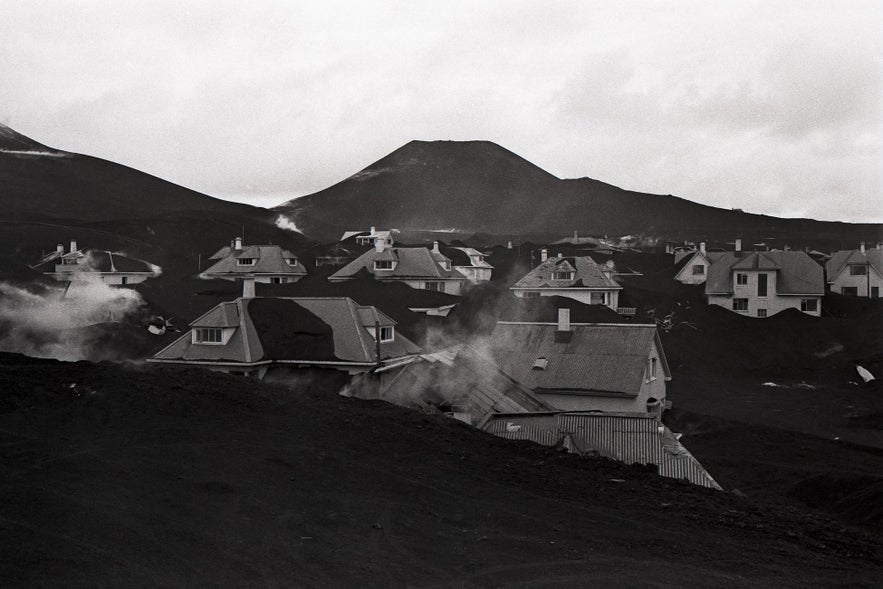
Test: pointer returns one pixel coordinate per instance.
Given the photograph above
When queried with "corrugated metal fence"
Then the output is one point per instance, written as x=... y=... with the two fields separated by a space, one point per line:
x=626 y=438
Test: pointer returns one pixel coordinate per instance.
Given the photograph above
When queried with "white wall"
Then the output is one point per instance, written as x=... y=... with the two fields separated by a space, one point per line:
x=686 y=276
x=583 y=296
x=859 y=282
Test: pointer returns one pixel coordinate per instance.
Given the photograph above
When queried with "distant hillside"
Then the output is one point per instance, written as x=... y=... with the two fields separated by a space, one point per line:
x=480 y=187
x=49 y=196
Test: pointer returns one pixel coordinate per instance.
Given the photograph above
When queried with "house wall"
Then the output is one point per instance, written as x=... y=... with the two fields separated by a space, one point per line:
x=686 y=276
x=115 y=278
x=773 y=304
x=474 y=274
x=290 y=279
x=583 y=296
x=844 y=279
x=453 y=287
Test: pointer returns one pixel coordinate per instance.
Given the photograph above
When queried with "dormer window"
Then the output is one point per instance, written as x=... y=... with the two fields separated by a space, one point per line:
x=68 y=261
x=565 y=275
x=208 y=335
x=383 y=264
x=291 y=261
x=387 y=334
x=651 y=369
x=446 y=265
x=245 y=261
x=540 y=363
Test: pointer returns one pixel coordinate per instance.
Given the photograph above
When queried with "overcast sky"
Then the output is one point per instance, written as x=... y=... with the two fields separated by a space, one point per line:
x=772 y=107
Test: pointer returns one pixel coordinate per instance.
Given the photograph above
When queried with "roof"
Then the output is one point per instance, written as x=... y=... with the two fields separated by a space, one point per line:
x=687 y=258
x=292 y=328
x=99 y=261
x=588 y=274
x=413 y=262
x=796 y=272
x=840 y=260
x=471 y=254
x=269 y=259
x=601 y=358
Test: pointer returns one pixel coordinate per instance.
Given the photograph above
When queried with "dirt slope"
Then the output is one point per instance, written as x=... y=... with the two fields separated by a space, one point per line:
x=143 y=477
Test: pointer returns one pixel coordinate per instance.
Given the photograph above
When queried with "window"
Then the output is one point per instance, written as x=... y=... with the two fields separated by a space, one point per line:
x=209 y=335
x=562 y=275
x=598 y=298
x=383 y=264
x=291 y=261
x=446 y=265
x=651 y=369
x=875 y=292
x=858 y=270
x=699 y=269
x=387 y=334
x=741 y=278
x=540 y=363
x=849 y=290
x=435 y=286
x=279 y=279
x=124 y=280
x=761 y=312
x=245 y=262
x=761 y=285
x=69 y=261
x=531 y=294
x=740 y=304
x=809 y=305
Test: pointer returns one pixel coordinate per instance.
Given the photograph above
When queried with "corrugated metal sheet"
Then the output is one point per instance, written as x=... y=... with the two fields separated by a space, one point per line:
x=632 y=439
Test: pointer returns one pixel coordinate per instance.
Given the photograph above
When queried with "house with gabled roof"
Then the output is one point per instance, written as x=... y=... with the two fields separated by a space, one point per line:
x=856 y=272
x=692 y=266
x=761 y=284
x=258 y=263
x=269 y=336
x=469 y=262
x=579 y=278
x=418 y=267
x=618 y=367
x=369 y=237
x=109 y=267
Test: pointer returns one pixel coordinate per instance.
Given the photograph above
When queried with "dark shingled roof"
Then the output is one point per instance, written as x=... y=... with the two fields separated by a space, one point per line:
x=412 y=262
x=588 y=274
x=269 y=259
x=796 y=272
x=840 y=260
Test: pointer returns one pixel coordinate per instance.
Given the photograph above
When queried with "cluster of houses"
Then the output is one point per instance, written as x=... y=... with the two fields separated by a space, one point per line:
x=584 y=386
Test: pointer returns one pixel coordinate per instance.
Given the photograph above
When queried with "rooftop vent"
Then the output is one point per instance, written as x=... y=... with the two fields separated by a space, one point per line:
x=540 y=363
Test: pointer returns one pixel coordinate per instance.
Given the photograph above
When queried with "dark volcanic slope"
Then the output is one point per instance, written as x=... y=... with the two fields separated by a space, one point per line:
x=141 y=477
x=477 y=186
x=37 y=183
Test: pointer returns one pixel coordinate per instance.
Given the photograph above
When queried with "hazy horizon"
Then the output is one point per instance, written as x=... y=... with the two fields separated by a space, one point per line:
x=773 y=109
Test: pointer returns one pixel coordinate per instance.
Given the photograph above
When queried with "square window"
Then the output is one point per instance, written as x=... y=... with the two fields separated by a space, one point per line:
x=761 y=312
x=740 y=304
x=387 y=334
x=699 y=269
x=383 y=264
x=858 y=270
x=741 y=278
x=809 y=305
x=435 y=286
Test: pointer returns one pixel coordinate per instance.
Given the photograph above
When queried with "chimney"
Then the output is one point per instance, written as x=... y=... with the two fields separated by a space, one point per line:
x=248 y=288
x=509 y=245
x=379 y=244
x=560 y=256
x=59 y=248
x=73 y=245
x=544 y=255
x=862 y=247
x=435 y=247
x=373 y=229
x=880 y=246
x=237 y=243
x=702 y=247
x=575 y=236
x=563 y=319
x=738 y=244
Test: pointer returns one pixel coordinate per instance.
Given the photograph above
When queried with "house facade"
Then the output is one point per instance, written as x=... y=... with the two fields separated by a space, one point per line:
x=272 y=338
x=470 y=263
x=579 y=278
x=695 y=269
x=856 y=272
x=418 y=267
x=109 y=267
x=585 y=366
x=268 y=264
x=761 y=284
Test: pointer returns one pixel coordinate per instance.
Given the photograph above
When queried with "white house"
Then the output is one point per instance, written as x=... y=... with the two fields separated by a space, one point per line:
x=761 y=284
x=110 y=267
x=470 y=263
x=255 y=263
x=579 y=278
x=418 y=267
x=856 y=272
x=694 y=264
x=585 y=366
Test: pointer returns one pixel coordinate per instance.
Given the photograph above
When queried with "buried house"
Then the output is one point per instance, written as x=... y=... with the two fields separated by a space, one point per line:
x=258 y=263
x=856 y=272
x=619 y=367
x=278 y=338
x=579 y=278
x=693 y=265
x=109 y=267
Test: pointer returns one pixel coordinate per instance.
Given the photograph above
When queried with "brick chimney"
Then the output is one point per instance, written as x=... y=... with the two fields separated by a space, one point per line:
x=563 y=319
x=237 y=243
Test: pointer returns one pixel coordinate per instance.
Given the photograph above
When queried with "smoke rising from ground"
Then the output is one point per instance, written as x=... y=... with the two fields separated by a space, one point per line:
x=53 y=321
x=283 y=222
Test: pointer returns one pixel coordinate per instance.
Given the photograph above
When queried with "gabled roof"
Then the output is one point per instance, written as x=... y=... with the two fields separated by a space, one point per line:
x=601 y=358
x=471 y=254
x=99 y=261
x=796 y=272
x=588 y=274
x=682 y=262
x=269 y=259
x=327 y=329
x=840 y=260
x=413 y=262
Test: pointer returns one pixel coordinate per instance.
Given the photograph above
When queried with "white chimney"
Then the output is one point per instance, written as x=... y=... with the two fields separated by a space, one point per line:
x=862 y=247
x=560 y=256
x=738 y=245
x=544 y=255
x=435 y=247
x=237 y=243
x=509 y=245
x=373 y=228
x=73 y=245
x=702 y=247
x=379 y=244
x=880 y=246
x=59 y=248
x=248 y=288
x=563 y=319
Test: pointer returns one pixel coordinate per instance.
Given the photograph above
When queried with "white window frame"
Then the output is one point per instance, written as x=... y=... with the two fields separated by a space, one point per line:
x=805 y=302
x=291 y=261
x=387 y=333
x=762 y=313
x=651 y=369
x=440 y=284
x=377 y=267
x=741 y=278
x=740 y=310
x=568 y=275
x=698 y=269
x=246 y=261
x=199 y=336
